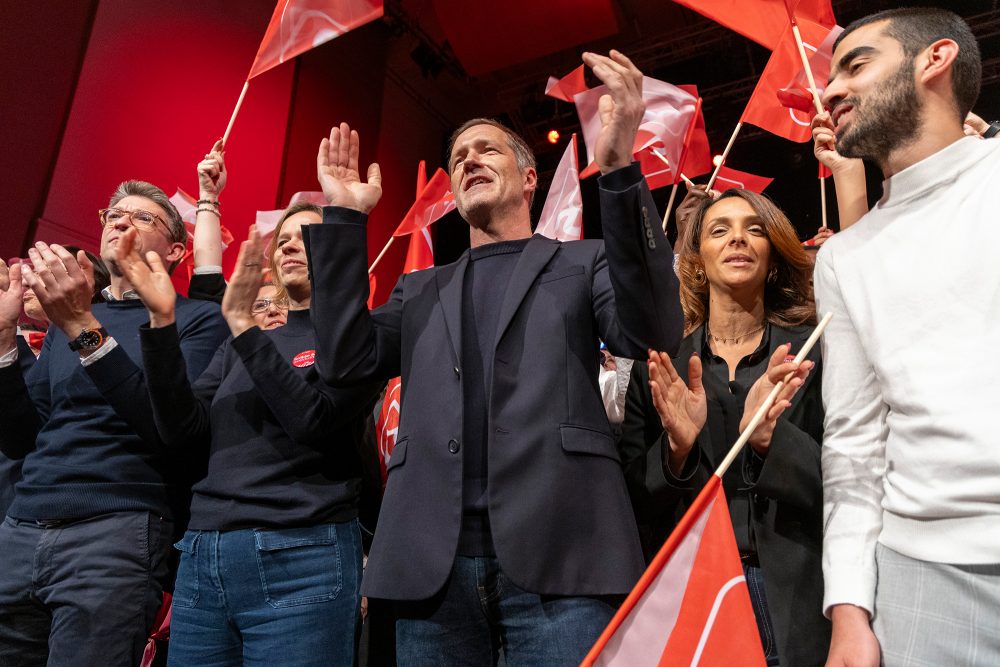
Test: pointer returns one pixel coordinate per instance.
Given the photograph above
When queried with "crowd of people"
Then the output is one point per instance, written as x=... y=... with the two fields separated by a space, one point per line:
x=562 y=404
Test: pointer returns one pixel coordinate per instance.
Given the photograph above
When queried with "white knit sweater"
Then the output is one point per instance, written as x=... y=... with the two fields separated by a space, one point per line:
x=911 y=382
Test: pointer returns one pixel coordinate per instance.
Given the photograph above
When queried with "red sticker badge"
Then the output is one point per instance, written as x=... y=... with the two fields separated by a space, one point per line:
x=304 y=359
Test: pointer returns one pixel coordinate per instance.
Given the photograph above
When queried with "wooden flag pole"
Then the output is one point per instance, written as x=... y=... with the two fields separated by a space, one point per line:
x=822 y=198
x=663 y=157
x=232 y=119
x=808 y=69
x=670 y=205
x=769 y=401
x=725 y=154
x=381 y=254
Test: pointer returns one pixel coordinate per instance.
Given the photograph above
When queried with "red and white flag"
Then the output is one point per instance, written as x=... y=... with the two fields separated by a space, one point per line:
x=266 y=221
x=565 y=88
x=763 y=21
x=696 y=156
x=796 y=93
x=299 y=25
x=765 y=109
x=562 y=215
x=691 y=606
x=434 y=202
x=733 y=178
x=669 y=112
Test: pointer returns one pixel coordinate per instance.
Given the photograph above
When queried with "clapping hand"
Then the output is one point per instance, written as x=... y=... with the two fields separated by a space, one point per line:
x=64 y=286
x=10 y=303
x=244 y=284
x=778 y=370
x=621 y=111
x=682 y=407
x=337 y=169
x=149 y=278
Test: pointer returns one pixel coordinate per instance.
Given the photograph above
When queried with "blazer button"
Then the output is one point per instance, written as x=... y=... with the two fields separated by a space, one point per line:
x=453 y=446
x=458 y=373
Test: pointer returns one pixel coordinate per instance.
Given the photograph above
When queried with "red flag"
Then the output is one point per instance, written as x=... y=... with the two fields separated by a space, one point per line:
x=697 y=157
x=562 y=215
x=434 y=202
x=796 y=93
x=421 y=177
x=565 y=88
x=763 y=21
x=691 y=606
x=824 y=172
x=299 y=25
x=669 y=112
x=764 y=109
x=732 y=178
x=419 y=256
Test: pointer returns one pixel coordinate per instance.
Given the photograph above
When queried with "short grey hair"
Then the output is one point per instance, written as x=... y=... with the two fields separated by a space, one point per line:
x=178 y=232
x=523 y=154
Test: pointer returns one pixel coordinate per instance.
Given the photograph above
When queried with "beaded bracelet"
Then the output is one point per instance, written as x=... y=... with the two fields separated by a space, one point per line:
x=207 y=201
x=209 y=210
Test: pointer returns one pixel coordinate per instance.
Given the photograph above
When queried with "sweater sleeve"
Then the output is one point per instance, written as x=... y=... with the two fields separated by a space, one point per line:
x=21 y=418
x=179 y=411
x=306 y=411
x=853 y=453
x=365 y=345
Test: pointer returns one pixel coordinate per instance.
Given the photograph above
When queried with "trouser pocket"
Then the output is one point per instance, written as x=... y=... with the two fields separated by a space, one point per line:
x=299 y=565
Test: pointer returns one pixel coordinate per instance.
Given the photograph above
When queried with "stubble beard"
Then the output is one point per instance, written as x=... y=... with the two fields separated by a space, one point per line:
x=885 y=121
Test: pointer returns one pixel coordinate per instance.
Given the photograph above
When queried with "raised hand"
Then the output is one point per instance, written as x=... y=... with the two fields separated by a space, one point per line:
x=692 y=200
x=11 y=293
x=244 y=284
x=337 y=169
x=682 y=407
x=212 y=173
x=64 y=286
x=777 y=370
x=825 y=144
x=149 y=278
x=975 y=126
x=621 y=111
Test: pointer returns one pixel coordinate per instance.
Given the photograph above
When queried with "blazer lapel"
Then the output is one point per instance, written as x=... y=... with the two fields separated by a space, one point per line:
x=449 y=283
x=534 y=257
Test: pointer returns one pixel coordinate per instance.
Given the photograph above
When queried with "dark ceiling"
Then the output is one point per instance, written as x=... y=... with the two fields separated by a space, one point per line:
x=667 y=42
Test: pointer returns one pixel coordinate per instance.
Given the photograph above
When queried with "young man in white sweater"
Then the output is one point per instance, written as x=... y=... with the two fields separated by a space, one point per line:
x=911 y=383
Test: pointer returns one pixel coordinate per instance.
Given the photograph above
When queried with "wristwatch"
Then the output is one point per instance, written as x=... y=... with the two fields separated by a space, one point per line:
x=89 y=340
x=992 y=131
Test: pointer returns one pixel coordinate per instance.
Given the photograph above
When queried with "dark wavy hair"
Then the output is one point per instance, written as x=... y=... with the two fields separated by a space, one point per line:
x=788 y=297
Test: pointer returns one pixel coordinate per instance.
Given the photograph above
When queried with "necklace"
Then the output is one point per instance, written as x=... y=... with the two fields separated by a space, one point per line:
x=735 y=339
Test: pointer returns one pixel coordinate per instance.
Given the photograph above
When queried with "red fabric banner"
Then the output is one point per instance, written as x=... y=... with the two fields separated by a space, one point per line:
x=562 y=215
x=733 y=178
x=763 y=21
x=434 y=202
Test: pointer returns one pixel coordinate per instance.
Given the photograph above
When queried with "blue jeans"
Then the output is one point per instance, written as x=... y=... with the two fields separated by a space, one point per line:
x=81 y=592
x=267 y=597
x=758 y=599
x=480 y=611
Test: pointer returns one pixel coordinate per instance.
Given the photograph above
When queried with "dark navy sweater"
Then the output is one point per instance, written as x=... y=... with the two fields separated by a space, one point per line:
x=82 y=457
x=281 y=445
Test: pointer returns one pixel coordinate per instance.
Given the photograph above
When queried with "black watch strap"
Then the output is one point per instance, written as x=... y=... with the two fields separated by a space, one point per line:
x=993 y=130
x=89 y=340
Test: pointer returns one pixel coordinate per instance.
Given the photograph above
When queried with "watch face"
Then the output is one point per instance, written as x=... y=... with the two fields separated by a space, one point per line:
x=90 y=340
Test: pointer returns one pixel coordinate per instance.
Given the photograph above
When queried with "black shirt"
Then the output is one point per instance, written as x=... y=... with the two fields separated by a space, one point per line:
x=729 y=398
x=486 y=277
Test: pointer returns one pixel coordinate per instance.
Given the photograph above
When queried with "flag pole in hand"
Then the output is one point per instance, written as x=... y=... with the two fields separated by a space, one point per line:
x=769 y=401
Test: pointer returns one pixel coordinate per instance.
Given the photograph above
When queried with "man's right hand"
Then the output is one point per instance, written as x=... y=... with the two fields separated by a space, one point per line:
x=337 y=169
x=853 y=643
x=10 y=304
x=148 y=278
x=825 y=144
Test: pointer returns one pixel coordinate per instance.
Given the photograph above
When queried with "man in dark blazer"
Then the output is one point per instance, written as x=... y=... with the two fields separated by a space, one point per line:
x=506 y=521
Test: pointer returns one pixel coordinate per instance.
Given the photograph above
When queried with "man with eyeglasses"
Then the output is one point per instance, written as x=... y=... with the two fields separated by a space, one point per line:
x=86 y=540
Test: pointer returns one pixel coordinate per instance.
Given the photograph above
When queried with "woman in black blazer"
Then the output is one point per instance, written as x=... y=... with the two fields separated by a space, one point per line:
x=748 y=306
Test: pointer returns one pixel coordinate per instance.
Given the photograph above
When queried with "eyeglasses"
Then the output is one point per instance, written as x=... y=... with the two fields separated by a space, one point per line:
x=261 y=305
x=138 y=218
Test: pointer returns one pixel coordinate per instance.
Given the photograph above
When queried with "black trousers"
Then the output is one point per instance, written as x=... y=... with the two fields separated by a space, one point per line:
x=83 y=592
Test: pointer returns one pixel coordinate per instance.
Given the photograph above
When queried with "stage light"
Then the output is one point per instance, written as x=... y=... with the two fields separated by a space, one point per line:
x=717 y=160
x=553 y=136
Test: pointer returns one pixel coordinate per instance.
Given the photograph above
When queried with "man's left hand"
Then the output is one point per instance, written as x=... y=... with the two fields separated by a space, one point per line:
x=64 y=286
x=621 y=111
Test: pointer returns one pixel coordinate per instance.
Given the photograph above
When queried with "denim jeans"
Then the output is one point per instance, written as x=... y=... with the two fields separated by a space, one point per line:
x=481 y=612
x=267 y=597
x=82 y=592
x=758 y=599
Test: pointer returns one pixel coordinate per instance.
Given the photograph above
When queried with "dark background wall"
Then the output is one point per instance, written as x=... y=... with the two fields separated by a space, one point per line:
x=93 y=92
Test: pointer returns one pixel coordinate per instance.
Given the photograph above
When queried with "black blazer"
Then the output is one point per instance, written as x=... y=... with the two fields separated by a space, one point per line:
x=559 y=510
x=785 y=493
